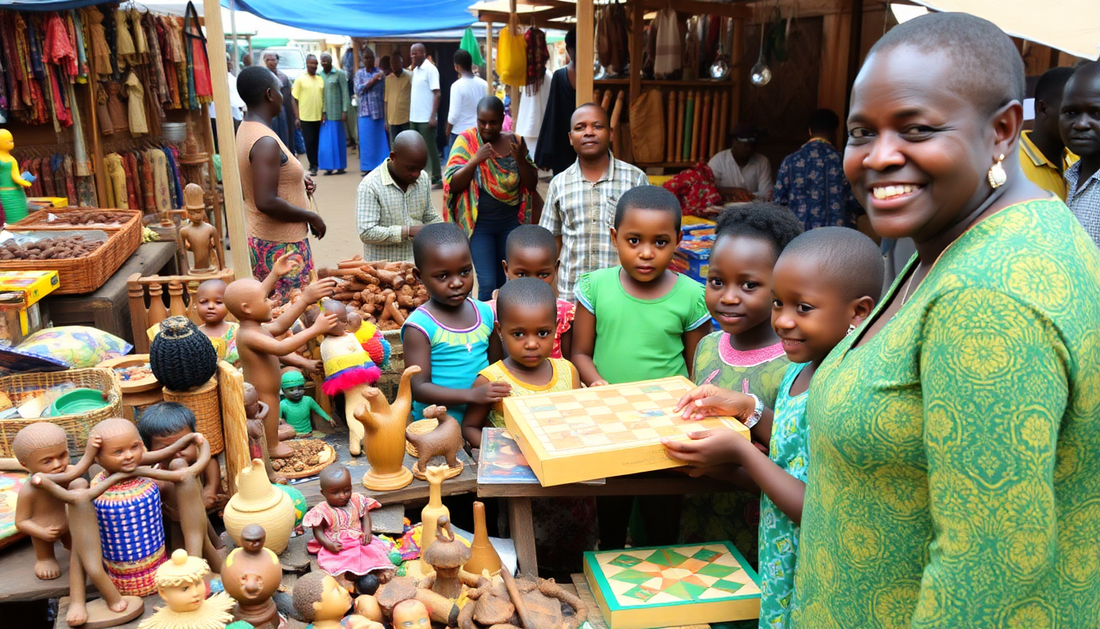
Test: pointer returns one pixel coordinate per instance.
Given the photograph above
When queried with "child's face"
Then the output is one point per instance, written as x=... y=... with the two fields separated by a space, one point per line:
x=48 y=460
x=528 y=334
x=189 y=454
x=184 y=598
x=295 y=393
x=337 y=492
x=808 y=314
x=646 y=240
x=121 y=453
x=212 y=304
x=537 y=263
x=448 y=275
x=739 y=283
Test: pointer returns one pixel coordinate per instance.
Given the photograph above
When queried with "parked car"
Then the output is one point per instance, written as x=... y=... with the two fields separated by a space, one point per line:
x=292 y=61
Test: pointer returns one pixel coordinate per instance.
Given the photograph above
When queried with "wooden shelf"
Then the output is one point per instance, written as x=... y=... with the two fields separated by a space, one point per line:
x=599 y=82
x=698 y=83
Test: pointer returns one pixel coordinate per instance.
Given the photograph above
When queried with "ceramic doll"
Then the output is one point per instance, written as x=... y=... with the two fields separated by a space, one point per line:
x=198 y=236
x=181 y=583
x=328 y=613
x=342 y=538
x=348 y=368
x=211 y=309
x=251 y=576
x=296 y=408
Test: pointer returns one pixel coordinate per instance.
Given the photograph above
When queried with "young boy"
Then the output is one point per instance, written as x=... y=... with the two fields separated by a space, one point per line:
x=165 y=423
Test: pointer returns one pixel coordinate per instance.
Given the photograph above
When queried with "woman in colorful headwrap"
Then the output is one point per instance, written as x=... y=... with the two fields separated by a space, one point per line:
x=348 y=368
x=489 y=186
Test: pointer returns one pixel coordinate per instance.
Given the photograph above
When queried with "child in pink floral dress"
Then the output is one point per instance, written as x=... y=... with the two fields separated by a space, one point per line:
x=342 y=538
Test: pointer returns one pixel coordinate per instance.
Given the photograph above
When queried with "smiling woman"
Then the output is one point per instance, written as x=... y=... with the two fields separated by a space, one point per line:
x=947 y=457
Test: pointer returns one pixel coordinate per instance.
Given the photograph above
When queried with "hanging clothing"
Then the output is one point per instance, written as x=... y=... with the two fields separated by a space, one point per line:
x=116 y=184
x=136 y=102
x=141 y=44
x=57 y=47
x=81 y=35
x=100 y=52
x=161 y=191
x=125 y=53
x=156 y=61
x=148 y=196
x=133 y=182
x=554 y=150
x=537 y=56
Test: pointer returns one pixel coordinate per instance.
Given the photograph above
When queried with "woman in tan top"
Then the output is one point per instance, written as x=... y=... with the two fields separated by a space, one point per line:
x=275 y=187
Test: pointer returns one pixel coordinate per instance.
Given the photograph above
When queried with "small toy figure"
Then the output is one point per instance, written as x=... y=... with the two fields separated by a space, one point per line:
x=180 y=583
x=162 y=425
x=348 y=367
x=411 y=614
x=247 y=301
x=255 y=413
x=297 y=409
x=42 y=447
x=212 y=311
x=328 y=613
x=199 y=237
x=13 y=199
x=342 y=538
x=444 y=440
x=251 y=576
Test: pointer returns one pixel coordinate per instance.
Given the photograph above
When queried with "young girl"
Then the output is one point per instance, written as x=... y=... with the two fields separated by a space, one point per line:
x=826 y=282
x=342 y=538
x=745 y=355
x=450 y=337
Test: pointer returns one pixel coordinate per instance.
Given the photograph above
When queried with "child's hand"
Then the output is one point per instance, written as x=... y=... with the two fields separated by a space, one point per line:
x=334 y=546
x=95 y=442
x=367 y=537
x=599 y=383
x=325 y=322
x=710 y=401
x=319 y=290
x=708 y=448
x=315 y=366
x=285 y=263
x=490 y=393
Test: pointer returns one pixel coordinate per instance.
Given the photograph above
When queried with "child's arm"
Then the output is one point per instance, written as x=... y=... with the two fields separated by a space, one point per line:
x=368 y=535
x=419 y=352
x=85 y=462
x=474 y=420
x=316 y=408
x=584 y=343
x=211 y=483
x=709 y=400
x=567 y=343
x=298 y=361
x=714 y=447
x=576 y=376
x=156 y=456
x=283 y=265
x=331 y=545
x=312 y=294
x=265 y=344
x=176 y=476
x=691 y=340
x=496 y=348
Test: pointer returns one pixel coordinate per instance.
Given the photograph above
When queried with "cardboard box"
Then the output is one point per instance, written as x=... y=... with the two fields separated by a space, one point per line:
x=20 y=292
x=586 y=434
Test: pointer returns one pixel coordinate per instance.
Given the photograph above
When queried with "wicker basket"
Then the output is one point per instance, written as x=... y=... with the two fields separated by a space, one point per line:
x=129 y=225
x=204 y=403
x=76 y=426
x=84 y=275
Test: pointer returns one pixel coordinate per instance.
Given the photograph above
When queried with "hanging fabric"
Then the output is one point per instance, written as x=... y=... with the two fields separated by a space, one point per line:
x=197 y=61
x=537 y=57
x=667 y=60
x=470 y=45
x=512 y=56
x=647 y=127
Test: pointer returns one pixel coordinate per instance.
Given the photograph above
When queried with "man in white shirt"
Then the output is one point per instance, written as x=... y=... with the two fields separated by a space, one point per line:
x=424 y=105
x=466 y=92
x=740 y=166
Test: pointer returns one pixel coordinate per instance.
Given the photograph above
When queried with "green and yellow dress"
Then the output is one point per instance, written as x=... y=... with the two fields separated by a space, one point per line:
x=13 y=198
x=953 y=458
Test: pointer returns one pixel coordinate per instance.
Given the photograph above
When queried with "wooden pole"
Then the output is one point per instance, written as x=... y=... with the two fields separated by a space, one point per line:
x=677 y=149
x=586 y=51
x=231 y=177
x=489 y=58
x=697 y=124
x=715 y=123
x=637 y=42
x=670 y=127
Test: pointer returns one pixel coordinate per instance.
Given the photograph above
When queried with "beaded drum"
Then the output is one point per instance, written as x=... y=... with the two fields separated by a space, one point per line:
x=131 y=532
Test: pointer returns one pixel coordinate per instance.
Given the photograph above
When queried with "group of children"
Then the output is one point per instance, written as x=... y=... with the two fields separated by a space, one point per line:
x=782 y=300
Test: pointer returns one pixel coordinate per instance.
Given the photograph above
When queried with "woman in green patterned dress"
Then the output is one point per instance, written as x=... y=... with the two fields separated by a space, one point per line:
x=954 y=442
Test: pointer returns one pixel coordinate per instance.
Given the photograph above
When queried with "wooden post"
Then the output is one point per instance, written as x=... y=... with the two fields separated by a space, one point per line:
x=234 y=422
x=231 y=177
x=637 y=39
x=835 y=43
x=586 y=50
x=489 y=58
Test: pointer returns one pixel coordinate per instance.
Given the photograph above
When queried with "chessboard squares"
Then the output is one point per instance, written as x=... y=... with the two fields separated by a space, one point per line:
x=621 y=437
x=706 y=555
x=604 y=419
x=625 y=561
x=617 y=400
x=620 y=408
x=636 y=398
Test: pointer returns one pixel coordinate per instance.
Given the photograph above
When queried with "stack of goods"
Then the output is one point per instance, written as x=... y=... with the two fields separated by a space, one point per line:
x=382 y=293
x=692 y=257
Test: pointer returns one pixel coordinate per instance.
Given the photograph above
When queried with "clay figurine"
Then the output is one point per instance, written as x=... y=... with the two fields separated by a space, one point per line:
x=505 y=603
x=445 y=555
x=342 y=538
x=211 y=309
x=441 y=610
x=257 y=501
x=444 y=440
x=251 y=576
x=483 y=557
x=181 y=584
x=411 y=614
x=42 y=447
x=433 y=511
x=348 y=368
x=321 y=601
x=12 y=197
x=198 y=236
x=247 y=300
x=385 y=428
x=296 y=408
x=255 y=413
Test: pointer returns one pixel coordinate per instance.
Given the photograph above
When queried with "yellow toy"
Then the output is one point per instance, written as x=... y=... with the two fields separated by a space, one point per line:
x=12 y=198
x=180 y=583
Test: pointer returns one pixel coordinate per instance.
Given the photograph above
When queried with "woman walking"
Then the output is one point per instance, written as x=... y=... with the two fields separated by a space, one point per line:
x=370 y=86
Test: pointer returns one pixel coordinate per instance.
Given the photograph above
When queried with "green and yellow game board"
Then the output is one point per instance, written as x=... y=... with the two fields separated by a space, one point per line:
x=644 y=588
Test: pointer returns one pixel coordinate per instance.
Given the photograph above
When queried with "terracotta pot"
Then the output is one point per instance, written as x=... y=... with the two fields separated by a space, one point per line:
x=484 y=556
x=257 y=501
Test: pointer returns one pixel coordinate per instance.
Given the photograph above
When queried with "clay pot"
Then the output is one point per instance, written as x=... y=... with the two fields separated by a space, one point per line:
x=484 y=556
x=257 y=501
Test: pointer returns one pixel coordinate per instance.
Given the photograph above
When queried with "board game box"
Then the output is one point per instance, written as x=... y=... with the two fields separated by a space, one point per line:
x=581 y=435
x=643 y=588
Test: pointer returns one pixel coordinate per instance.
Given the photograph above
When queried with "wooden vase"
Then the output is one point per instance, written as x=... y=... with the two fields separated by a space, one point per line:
x=484 y=556
x=430 y=514
x=385 y=428
x=257 y=501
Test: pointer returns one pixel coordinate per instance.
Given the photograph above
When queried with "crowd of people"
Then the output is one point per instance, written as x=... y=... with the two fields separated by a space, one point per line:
x=922 y=453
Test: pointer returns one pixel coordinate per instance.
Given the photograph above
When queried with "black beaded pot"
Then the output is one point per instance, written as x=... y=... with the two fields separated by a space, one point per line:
x=181 y=356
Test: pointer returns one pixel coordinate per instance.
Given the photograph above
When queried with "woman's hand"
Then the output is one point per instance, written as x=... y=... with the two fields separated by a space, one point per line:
x=708 y=448
x=311 y=186
x=317 y=226
x=711 y=401
x=519 y=149
x=484 y=152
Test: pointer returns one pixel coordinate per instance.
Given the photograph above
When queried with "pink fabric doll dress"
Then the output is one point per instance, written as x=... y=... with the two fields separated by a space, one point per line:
x=346 y=526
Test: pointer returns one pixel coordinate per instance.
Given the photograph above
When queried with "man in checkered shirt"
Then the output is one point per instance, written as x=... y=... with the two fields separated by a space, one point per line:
x=1080 y=121
x=580 y=204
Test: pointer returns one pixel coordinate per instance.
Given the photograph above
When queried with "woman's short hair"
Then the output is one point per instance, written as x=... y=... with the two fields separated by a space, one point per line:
x=253 y=82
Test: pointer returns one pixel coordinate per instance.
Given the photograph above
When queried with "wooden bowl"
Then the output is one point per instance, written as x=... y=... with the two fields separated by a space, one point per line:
x=147 y=383
x=419 y=427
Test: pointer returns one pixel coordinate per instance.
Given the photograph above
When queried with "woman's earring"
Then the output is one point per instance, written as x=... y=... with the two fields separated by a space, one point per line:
x=851 y=329
x=997 y=174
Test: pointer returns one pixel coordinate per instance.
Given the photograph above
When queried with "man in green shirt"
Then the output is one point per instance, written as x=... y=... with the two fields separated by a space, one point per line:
x=332 y=154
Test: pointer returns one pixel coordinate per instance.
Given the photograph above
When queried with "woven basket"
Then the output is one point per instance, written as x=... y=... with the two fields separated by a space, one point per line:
x=204 y=403
x=85 y=275
x=76 y=426
x=129 y=225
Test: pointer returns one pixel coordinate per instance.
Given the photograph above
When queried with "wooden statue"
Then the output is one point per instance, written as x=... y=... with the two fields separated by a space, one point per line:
x=43 y=448
x=434 y=510
x=385 y=428
x=445 y=555
x=180 y=582
x=348 y=368
x=199 y=237
x=251 y=576
x=444 y=440
x=259 y=351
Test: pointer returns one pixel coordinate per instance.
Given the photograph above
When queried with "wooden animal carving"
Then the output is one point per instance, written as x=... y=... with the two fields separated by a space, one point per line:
x=444 y=440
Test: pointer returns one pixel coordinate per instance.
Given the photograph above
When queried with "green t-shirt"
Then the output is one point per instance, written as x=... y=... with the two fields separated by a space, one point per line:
x=640 y=339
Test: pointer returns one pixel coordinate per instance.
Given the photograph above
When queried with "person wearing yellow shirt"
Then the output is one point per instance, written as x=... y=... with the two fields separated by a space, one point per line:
x=309 y=91
x=1044 y=157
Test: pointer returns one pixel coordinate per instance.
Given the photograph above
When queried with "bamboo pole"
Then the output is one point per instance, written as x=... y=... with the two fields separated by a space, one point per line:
x=489 y=58
x=681 y=104
x=99 y=171
x=670 y=127
x=697 y=124
x=586 y=51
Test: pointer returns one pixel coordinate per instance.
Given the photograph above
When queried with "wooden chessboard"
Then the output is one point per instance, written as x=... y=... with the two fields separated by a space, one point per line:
x=586 y=434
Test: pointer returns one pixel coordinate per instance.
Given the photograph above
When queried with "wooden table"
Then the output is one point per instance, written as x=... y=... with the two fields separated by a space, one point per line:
x=18 y=582
x=108 y=308
x=521 y=523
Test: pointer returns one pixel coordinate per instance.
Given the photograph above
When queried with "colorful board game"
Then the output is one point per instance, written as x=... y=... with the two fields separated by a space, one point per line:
x=642 y=588
x=577 y=436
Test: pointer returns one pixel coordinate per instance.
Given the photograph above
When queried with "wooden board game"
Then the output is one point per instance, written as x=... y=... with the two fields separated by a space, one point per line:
x=643 y=588
x=582 y=435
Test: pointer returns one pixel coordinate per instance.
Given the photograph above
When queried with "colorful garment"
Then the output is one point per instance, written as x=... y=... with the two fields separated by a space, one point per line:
x=567 y=310
x=457 y=355
x=345 y=525
x=347 y=364
x=309 y=91
x=263 y=254
x=13 y=197
x=336 y=97
x=560 y=380
x=812 y=184
x=694 y=189
x=628 y=352
x=498 y=175
x=732 y=515
x=226 y=344
x=371 y=101
x=778 y=534
x=131 y=532
x=951 y=456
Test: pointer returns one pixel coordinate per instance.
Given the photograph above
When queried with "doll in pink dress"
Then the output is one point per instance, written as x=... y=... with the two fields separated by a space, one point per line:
x=342 y=538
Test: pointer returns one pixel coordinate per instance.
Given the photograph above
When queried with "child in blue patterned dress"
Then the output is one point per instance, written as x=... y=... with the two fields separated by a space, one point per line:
x=450 y=337
x=826 y=282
